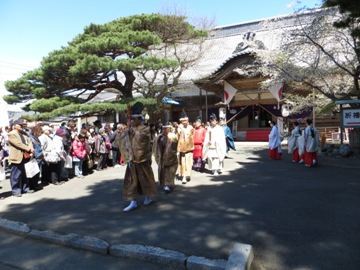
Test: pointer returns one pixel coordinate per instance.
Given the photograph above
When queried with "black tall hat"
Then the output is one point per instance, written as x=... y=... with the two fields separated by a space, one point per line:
x=136 y=109
x=198 y=119
x=213 y=117
x=166 y=120
x=183 y=116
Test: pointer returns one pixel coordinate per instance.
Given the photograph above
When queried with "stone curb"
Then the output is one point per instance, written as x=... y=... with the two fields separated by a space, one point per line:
x=71 y=240
x=240 y=258
x=201 y=263
x=173 y=259
x=14 y=227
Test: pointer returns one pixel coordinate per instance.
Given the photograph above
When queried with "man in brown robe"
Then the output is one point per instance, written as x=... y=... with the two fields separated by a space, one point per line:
x=139 y=177
x=165 y=153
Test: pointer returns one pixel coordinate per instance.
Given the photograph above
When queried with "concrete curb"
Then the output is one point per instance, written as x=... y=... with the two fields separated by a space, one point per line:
x=173 y=259
x=201 y=263
x=240 y=258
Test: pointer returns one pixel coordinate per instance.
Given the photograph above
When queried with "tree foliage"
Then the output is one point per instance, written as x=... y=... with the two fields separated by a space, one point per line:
x=104 y=58
x=351 y=21
x=92 y=109
x=316 y=59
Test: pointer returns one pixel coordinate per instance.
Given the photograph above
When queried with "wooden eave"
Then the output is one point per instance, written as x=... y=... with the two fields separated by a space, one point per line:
x=214 y=82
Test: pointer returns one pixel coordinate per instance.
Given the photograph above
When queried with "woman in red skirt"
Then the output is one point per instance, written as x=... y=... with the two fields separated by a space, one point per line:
x=311 y=145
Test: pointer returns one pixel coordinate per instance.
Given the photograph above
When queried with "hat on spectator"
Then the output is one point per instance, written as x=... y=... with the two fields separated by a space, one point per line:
x=18 y=122
x=44 y=128
x=60 y=132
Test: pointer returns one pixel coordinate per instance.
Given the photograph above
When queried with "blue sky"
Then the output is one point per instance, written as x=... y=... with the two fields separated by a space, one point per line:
x=31 y=29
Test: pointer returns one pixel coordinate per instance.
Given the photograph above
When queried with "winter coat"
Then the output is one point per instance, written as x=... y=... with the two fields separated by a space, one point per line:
x=78 y=148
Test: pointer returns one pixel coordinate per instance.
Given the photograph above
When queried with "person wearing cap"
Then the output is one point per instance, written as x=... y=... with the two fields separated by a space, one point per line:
x=199 y=138
x=214 y=146
x=139 y=177
x=165 y=153
x=19 y=142
x=185 y=148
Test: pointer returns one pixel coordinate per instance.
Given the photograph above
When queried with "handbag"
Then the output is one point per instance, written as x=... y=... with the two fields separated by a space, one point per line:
x=68 y=162
x=52 y=157
x=90 y=162
x=31 y=168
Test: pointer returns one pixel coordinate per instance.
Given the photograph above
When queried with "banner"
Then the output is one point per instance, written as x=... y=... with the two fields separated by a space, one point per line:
x=229 y=92
x=276 y=91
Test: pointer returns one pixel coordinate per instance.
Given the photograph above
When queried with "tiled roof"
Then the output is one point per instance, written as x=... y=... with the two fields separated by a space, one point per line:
x=279 y=22
x=226 y=42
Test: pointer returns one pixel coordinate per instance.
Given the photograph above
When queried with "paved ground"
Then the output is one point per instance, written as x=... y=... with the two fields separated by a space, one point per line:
x=19 y=253
x=294 y=217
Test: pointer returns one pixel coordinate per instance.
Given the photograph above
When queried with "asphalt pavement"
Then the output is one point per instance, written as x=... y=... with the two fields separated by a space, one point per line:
x=294 y=217
x=18 y=253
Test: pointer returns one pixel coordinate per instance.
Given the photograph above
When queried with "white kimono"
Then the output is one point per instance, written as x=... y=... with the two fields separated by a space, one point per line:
x=214 y=149
x=293 y=140
x=274 y=138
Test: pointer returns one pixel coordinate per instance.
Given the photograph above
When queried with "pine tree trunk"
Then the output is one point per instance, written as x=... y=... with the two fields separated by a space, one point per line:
x=354 y=139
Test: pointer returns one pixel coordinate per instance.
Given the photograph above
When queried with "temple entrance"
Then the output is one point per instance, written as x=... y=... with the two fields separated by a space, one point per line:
x=259 y=118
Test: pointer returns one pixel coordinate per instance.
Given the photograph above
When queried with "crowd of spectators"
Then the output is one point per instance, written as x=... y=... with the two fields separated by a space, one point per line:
x=64 y=152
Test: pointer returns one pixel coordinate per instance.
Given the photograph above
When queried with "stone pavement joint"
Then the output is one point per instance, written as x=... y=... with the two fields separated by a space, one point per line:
x=240 y=259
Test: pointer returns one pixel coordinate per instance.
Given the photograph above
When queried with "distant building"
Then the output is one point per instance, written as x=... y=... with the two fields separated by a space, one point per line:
x=228 y=67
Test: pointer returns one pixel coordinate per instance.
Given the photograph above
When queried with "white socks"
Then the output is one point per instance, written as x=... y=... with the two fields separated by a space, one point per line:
x=147 y=200
x=131 y=206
